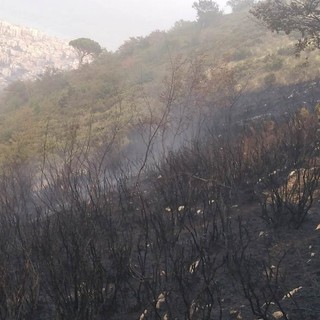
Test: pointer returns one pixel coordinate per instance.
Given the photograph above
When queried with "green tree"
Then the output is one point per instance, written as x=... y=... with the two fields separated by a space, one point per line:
x=206 y=10
x=239 y=5
x=85 y=47
x=289 y=16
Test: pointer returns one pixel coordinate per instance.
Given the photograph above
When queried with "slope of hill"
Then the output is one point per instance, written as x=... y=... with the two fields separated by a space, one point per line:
x=177 y=178
x=25 y=53
x=233 y=61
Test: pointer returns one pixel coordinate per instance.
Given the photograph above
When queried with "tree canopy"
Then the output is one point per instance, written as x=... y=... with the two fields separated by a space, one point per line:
x=85 y=47
x=238 y=5
x=206 y=9
x=296 y=15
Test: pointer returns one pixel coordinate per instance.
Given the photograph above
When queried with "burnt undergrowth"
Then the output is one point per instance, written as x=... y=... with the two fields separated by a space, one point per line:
x=200 y=233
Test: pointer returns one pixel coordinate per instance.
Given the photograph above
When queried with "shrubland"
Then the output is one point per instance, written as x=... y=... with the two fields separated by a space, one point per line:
x=92 y=94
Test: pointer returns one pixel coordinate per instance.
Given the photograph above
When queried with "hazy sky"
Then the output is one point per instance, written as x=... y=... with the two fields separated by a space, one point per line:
x=110 y=22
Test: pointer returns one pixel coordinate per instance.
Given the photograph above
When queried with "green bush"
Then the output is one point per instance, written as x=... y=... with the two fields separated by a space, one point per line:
x=286 y=51
x=273 y=63
x=241 y=54
x=269 y=79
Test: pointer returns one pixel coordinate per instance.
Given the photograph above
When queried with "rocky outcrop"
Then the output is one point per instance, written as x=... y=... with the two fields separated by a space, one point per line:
x=26 y=53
